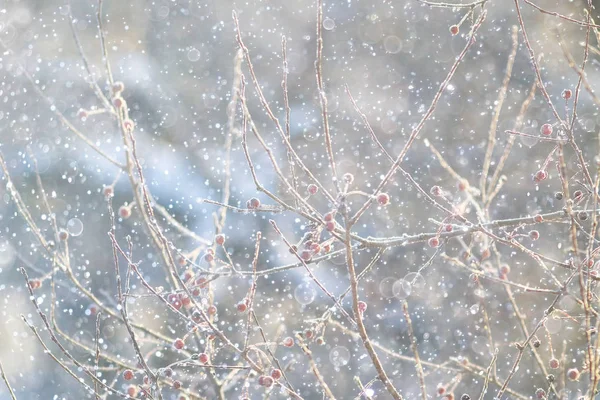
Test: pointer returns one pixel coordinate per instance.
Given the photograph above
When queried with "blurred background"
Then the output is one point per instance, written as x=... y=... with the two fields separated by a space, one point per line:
x=176 y=60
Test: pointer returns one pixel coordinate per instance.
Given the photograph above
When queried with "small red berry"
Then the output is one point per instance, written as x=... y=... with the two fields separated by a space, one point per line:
x=312 y=189
x=308 y=334
x=35 y=284
x=108 y=191
x=448 y=228
x=267 y=381
x=454 y=30
x=441 y=390
x=288 y=341
x=253 y=203
x=168 y=372
x=242 y=306
x=504 y=269
x=540 y=175
x=534 y=235
x=176 y=385
x=326 y=248
x=82 y=113
x=540 y=393
x=211 y=310
x=63 y=235
x=538 y=218
x=203 y=358
x=118 y=102
x=577 y=195
x=554 y=363
x=128 y=374
x=436 y=191
x=330 y=226
x=124 y=212
x=132 y=391
x=383 y=199
x=306 y=255
x=276 y=374
x=179 y=344
x=362 y=306
x=434 y=242
x=566 y=94
x=118 y=87
x=328 y=217
x=220 y=239
x=463 y=185
x=573 y=374
x=546 y=129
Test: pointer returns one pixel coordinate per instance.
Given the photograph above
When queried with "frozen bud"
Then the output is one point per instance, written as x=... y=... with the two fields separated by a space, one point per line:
x=118 y=87
x=128 y=125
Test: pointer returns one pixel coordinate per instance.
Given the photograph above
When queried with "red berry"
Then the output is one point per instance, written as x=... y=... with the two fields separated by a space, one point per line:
x=554 y=364
x=330 y=226
x=573 y=374
x=463 y=185
x=326 y=248
x=211 y=310
x=312 y=189
x=220 y=239
x=63 y=235
x=534 y=235
x=362 y=306
x=546 y=129
x=253 y=203
x=288 y=341
x=179 y=344
x=383 y=199
x=454 y=30
x=436 y=191
x=242 y=306
x=118 y=102
x=540 y=393
x=306 y=255
x=566 y=94
x=276 y=374
x=108 y=191
x=308 y=333
x=168 y=372
x=434 y=242
x=176 y=385
x=82 y=113
x=128 y=374
x=504 y=269
x=577 y=195
x=538 y=218
x=132 y=391
x=441 y=390
x=328 y=217
x=203 y=357
x=448 y=228
x=540 y=175
x=124 y=212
